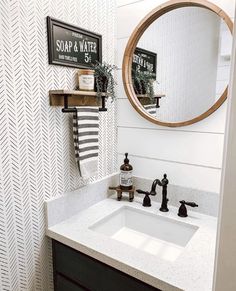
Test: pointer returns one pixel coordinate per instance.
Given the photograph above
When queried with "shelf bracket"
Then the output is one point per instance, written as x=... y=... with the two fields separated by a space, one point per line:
x=103 y=108
x=66 y=109
x=157 y=101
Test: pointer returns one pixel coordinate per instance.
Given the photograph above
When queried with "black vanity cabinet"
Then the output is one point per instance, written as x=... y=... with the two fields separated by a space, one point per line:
x=75 y=271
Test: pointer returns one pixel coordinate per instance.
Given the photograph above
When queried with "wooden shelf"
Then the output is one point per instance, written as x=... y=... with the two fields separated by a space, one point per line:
x=145 y=100
x=155 y=96
x=76 y=98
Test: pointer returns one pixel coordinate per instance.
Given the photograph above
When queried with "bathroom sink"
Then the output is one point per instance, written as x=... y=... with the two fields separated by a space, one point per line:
x=160 y=236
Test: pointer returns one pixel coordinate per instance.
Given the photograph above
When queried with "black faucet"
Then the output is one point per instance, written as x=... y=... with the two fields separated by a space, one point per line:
x=163 y=183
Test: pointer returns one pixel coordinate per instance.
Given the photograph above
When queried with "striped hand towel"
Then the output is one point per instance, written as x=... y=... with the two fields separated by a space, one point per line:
x=151 y=109
x=85 y=135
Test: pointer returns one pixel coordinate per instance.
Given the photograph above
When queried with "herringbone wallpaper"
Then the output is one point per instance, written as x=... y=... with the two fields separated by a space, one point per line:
x=36 y=147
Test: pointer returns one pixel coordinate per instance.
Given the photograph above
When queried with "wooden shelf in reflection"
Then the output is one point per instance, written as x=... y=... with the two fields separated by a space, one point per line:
x=145 y=100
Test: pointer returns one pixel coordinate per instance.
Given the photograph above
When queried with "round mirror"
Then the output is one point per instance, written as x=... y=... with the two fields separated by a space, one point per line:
x=177 y=62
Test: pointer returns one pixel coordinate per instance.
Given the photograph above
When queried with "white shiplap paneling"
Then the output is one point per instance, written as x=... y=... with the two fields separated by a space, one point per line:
x=128 y=117
x=190 y=176
x=182 y=147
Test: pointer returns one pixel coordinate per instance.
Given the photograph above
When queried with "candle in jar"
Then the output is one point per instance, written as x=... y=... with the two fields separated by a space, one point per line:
x=86 y=79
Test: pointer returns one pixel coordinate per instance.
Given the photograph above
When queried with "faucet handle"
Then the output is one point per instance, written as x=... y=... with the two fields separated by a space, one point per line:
x=183 y=210
x=142 y=192
x=192 y=204
x=146 y=199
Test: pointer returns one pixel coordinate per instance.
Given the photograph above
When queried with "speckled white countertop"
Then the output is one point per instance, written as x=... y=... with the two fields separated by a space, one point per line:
x=191 y=271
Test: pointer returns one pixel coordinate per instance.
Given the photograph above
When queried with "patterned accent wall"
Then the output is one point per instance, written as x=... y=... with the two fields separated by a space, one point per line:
x=36 y=148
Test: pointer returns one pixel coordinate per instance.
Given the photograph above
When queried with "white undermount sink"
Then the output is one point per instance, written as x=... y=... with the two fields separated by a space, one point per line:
x=160 y=236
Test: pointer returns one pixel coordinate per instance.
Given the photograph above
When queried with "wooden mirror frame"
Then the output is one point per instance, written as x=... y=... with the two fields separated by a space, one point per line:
x=133 y=41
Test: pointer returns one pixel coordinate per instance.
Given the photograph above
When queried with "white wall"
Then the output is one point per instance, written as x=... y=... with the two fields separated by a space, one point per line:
x=192 y=155
x=225 y=268
x=186 y=69
x=36 y=147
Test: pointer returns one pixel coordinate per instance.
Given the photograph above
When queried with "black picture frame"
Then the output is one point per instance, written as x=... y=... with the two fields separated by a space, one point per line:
x=69 y=34
x=148 y=56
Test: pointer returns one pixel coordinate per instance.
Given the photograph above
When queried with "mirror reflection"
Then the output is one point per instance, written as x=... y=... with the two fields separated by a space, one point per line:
x=181 y=64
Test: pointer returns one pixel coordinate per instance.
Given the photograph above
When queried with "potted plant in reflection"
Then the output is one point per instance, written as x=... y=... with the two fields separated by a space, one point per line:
x=104 y=79
x=143 y=83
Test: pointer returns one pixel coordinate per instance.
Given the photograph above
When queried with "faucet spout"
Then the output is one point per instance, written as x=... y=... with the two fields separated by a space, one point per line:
x=154 y=185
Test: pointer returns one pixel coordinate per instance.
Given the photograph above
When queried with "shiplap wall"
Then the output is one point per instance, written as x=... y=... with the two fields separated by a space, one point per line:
x=192 y=155
x=36 y=147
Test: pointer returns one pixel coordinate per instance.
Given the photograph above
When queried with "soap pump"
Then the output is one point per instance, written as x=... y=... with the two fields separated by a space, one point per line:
x=126 y=181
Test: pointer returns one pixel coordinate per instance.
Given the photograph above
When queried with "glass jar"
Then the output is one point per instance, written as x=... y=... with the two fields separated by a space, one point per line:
x=86 y=79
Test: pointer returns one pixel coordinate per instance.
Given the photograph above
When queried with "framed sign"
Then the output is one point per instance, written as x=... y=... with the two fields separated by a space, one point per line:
x=72 y=46
x=144 y=61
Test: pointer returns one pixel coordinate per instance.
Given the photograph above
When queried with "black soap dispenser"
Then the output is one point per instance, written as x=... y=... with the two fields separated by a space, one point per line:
x=126 y=172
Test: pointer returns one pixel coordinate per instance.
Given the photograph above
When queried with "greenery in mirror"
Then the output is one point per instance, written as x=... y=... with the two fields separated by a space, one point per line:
x=104 y=79
x=143 y=83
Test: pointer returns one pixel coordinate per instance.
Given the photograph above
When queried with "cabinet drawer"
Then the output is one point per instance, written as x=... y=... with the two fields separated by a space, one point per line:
x=93 y=274
x=62 y=284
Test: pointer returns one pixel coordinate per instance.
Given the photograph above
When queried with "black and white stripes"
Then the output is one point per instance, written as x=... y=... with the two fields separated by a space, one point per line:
x=151 y=109
x=85 y=134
